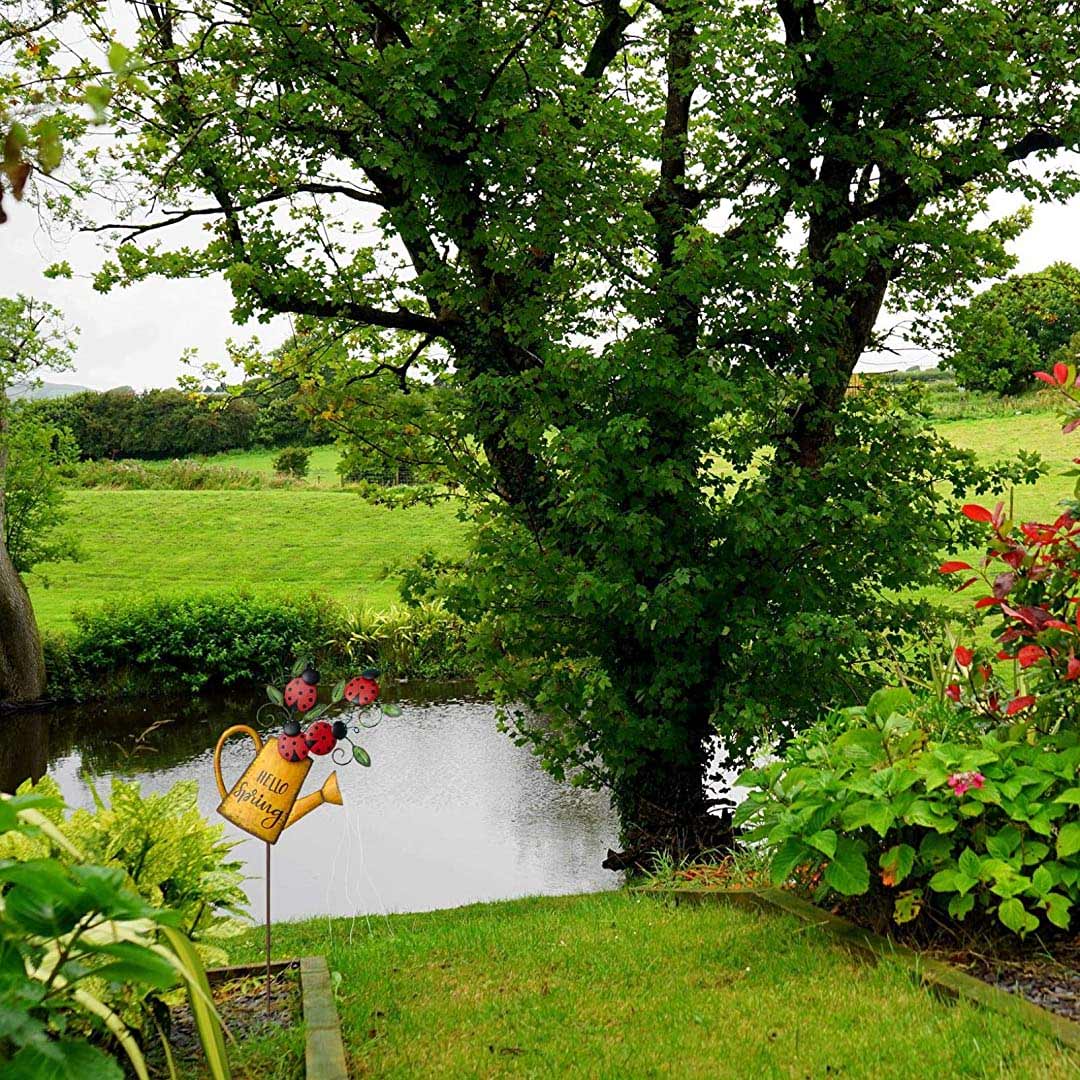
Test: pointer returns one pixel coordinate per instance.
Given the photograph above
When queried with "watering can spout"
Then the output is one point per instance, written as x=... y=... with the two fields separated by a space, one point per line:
x=328 y=793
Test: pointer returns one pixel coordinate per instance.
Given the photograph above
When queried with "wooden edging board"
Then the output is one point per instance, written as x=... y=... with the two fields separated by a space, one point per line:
x=324 y=1052
x=935 y=975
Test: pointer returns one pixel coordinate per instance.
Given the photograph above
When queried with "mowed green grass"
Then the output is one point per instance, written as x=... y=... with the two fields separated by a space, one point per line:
x=322 y=465
x=616 y=985
x=140 y=543
x=329 y=540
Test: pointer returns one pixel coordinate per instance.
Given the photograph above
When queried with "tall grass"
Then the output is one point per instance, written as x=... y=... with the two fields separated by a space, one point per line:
x=180 y=475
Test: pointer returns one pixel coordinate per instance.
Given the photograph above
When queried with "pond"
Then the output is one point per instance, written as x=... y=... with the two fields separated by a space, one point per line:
x=450 y=812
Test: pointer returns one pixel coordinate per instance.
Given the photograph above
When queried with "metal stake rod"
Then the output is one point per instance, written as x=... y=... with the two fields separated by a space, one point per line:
x=267 y=929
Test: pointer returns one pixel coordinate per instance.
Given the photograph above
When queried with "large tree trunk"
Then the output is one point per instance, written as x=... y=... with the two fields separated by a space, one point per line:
x=22 y=663
x=665 y=810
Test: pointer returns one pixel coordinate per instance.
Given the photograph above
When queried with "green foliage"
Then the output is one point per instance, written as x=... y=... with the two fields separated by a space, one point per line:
x=33 y=500
x=71 y=935
x=293 y=461
x=638 y=253
x=1004 y=335
x=151 y=424
x=192 y=643
x=199 y=643
x=169 y=854
x=873 y=800
x=168 y=476
x=422 y=641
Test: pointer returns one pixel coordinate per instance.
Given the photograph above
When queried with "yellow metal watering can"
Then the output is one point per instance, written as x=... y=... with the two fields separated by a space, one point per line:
x=264 y=801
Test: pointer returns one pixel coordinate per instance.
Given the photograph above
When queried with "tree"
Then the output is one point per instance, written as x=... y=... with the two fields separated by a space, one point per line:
x=641 y=251
x=1017 y=327
x=33 y=496
x=32 y=339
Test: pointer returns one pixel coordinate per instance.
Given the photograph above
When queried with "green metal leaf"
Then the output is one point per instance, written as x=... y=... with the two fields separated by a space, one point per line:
x=362 y=756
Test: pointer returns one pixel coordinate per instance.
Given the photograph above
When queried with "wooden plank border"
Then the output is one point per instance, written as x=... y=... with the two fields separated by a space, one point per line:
x=324 y=1051
x=324 y=1056
x=938 y=977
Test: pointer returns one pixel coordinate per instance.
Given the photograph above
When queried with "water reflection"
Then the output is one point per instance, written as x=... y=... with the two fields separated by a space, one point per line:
x=451 y=811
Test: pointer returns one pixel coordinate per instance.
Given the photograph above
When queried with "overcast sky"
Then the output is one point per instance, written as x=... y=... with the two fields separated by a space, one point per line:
x=136 y=336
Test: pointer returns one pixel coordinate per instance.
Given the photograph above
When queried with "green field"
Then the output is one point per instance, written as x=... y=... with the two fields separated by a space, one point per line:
x=322 y=468
x=288 y=541
x=613 y=985
x=329 y=540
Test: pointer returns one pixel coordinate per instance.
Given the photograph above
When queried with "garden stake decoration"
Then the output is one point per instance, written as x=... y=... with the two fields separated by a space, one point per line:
x=264 y=801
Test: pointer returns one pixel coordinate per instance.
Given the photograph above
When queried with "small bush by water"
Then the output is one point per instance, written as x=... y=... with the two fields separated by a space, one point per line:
x=170 y=644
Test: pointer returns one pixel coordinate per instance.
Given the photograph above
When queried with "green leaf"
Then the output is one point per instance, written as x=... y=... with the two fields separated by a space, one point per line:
x=943 y=880
x=390 y=710
x=1015 y=916
x=1057 y=909
x=791 y=853
x=275 y=695
x=119 y=57
x=1068 y=841
x=889 y=700
x=847 y=872
x=315 y=713
x=960 y=905
x=1042 y=880
x=824 y=841
x=361 y=755
x=207 y=1021
x=338 y=692
x=969 y=864
x=875 y=813
x=897 y=862
x=1003 y=843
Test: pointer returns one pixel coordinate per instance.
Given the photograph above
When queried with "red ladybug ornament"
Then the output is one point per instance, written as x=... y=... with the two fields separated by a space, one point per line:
x=361 y=690
x=292 y=747
x=302 y=692
x=320 y=738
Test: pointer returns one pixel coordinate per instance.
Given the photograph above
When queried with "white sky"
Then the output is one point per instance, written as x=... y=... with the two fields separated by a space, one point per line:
x=137 y=336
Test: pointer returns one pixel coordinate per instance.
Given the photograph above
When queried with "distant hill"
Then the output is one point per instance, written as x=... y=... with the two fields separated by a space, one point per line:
x=45 y=390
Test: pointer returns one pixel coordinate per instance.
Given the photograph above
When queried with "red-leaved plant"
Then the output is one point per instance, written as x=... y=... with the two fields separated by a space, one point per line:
x=1032 y=571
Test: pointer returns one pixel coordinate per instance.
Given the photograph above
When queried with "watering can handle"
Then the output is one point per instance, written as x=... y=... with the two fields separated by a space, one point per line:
x=235 y=729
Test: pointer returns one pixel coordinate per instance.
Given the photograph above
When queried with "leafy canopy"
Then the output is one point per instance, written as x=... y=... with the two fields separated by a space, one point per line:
x=639 y=251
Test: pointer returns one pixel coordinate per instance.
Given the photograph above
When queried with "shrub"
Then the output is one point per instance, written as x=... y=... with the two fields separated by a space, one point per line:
x=165 y=645
x=168 y=852
x=871 y=802
x=71 y=933
x=170 y=476
x=424 y=641
x=293 y=461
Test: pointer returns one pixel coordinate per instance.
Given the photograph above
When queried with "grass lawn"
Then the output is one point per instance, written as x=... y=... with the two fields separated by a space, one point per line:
x=322 y=465
x=141 y=542
x=613 y=985
x=330 y=541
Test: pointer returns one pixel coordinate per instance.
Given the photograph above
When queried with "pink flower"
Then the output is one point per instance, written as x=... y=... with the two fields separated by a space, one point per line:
x=962 y=782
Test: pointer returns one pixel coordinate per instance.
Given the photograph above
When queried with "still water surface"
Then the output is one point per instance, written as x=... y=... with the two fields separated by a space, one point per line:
x=450 y=812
